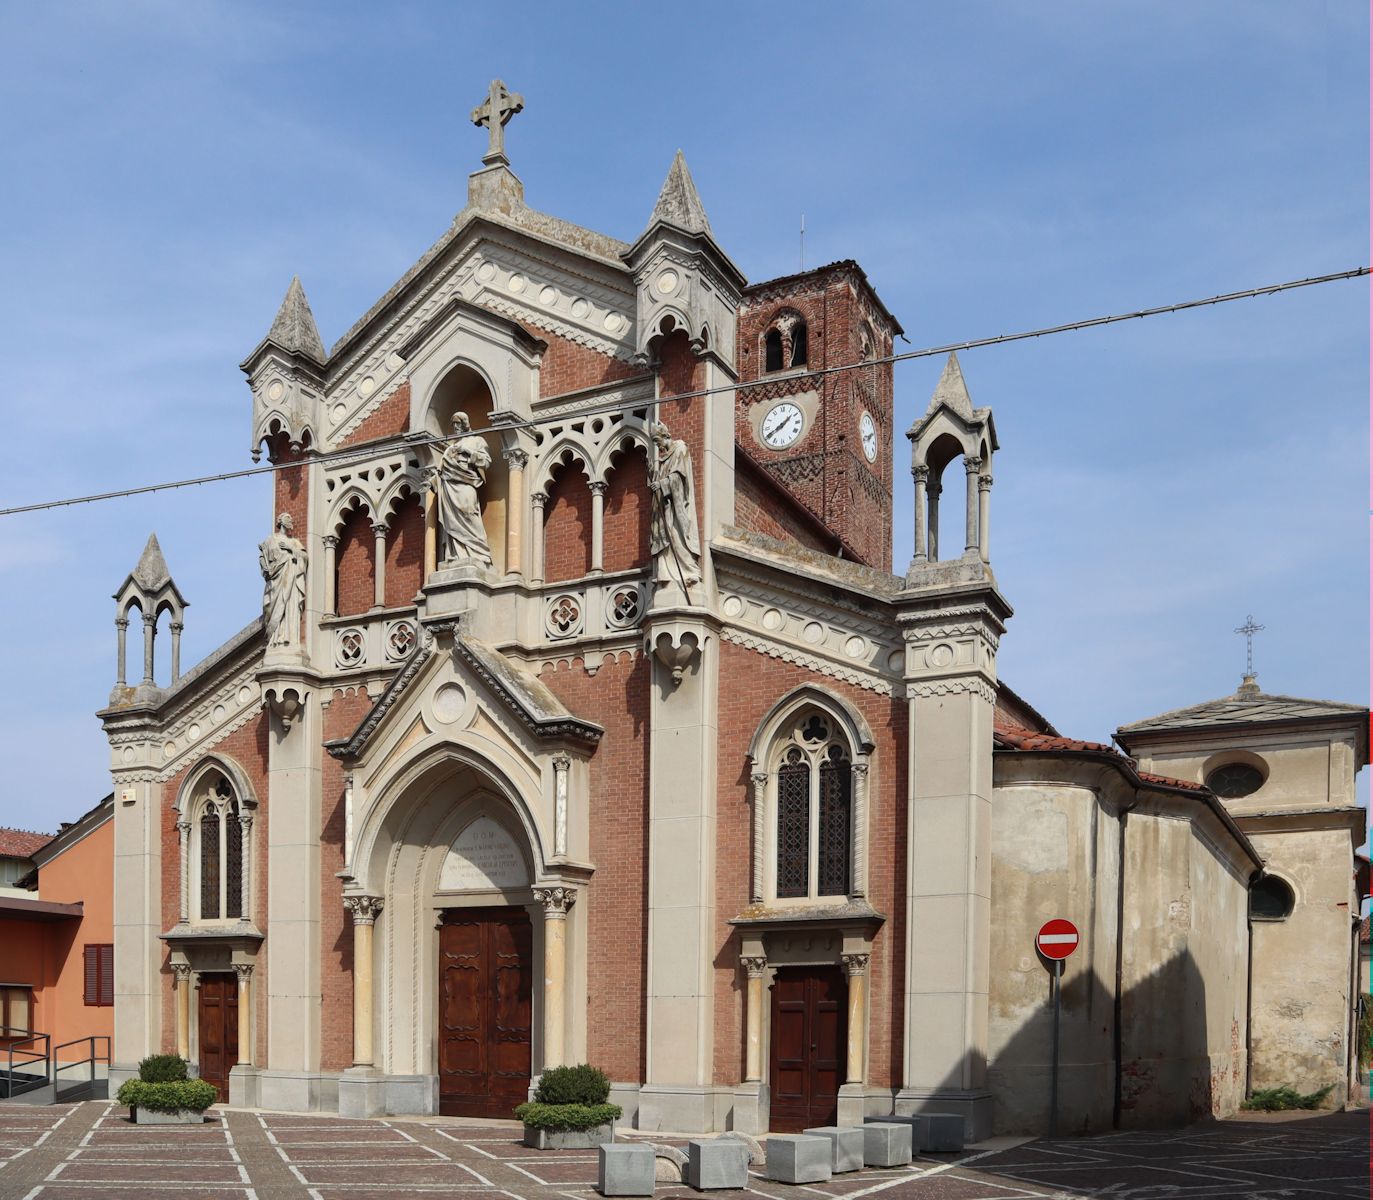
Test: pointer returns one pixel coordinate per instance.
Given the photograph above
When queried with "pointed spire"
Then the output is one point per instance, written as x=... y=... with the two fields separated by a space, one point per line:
x=951 y=389
x=679 y=204
x=151 y=572
x=294 y=329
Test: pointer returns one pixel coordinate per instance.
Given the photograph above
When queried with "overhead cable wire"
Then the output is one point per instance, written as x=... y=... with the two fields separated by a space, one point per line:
x=345 y=456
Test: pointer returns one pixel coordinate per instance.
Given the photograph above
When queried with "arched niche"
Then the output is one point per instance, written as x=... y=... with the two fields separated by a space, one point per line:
x=464 y=389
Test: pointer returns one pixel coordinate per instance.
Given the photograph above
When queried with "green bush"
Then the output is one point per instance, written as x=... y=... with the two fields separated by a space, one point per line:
x=572 y=1085
x=1281 y=1099
x=1365 y=1029
x=563 y=1117
x=172 y=1096
x=162 y=1068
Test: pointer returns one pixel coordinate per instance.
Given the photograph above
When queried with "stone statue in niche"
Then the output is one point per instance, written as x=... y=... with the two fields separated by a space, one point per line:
x=461 y=471
x=674 y=539
x=283 y=561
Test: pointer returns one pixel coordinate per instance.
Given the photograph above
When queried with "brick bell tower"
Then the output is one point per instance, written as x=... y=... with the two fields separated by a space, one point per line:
x=825 y=441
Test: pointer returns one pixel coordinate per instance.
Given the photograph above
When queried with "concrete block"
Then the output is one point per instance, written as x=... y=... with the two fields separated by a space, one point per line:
x=624 y=1170
x=799 y=1158
x=945 y=1132
x=713 y=1163
x=846 y=1147
x=919 y=1124
x=887 y=1143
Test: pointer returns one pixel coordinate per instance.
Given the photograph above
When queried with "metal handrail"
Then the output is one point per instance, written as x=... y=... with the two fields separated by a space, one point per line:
x=45 y=1056
x=91 y=1057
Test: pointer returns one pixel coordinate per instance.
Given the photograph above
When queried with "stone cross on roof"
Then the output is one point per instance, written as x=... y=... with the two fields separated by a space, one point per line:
x=1249 y=628
x=493 y=112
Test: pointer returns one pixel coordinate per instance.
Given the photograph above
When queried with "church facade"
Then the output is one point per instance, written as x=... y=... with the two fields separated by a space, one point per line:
x=587 y=721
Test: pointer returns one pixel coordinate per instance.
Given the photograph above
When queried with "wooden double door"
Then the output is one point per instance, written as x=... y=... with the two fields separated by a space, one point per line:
x=486 y=988
x=809 y=1047
x=217 y=1023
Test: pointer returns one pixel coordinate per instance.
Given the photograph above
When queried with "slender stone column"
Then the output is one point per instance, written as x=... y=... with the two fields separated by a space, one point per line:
x=149 y=632
x=972 y=465
x=379 y=565
x=244 y=971
x=561 y=765
x=181 y=973
x=859 y=885
x=176 y=627
x=330 y=575
x=364 y=910
x=556 y=901
x=753 y=1046
x=183 y=830
x=922 y=479
x=122 y=625
x=936 y=489
x=245 y=902
x=760 y=809
x=539 y=499
x=984 y=514
x=431 y=533
x=856 y=966
x=516 y=460
x=598 y=490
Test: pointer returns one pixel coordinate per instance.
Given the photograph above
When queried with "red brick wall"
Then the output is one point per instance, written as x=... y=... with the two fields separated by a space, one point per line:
x=354 y=581
x=345 y=712
x=391 y=417
x=757 y=682
x=681 y=372
x=762 y=506
x=291 y=486
x=405 y=553
x=627 y=513
x=616 y=898
x=567 y=526
x=248 y=748
x=568 y=367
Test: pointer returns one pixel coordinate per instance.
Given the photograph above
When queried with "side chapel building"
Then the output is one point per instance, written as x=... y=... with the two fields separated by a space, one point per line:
x=588 y=722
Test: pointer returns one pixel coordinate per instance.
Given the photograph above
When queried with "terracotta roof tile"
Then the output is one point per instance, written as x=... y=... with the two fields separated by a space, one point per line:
x=20 y=843
x=1008 y=736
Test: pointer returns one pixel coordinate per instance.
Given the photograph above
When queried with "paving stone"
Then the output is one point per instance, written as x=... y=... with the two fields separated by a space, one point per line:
x=624 y=1170
x=713 y=1163
x=799 y=1158
x=886 y=1144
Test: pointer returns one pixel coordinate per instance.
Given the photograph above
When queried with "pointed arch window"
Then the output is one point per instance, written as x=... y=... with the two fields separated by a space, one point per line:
x=815 y=829
x=219 y=825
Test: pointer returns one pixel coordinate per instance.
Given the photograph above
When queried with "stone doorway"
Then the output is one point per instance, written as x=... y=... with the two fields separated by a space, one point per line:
x=485 y=1017
x=809 y=1033
x=217 y=1023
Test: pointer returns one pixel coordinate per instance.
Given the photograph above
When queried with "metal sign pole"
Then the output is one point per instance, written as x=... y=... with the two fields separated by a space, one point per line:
x=1053 y=1078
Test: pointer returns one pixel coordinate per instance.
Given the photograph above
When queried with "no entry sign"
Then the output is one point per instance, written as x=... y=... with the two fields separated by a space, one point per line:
x=1057 y=938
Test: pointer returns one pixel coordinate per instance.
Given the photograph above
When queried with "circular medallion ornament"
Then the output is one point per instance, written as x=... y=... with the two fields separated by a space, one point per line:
x=782 y=425
x=667 y=281
x=867 y=433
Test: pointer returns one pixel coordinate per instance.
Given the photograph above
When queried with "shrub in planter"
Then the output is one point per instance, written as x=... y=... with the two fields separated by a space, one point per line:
x=569 y=1110
x=1285 y=1098
x=162 y=1068
x=174 y=1100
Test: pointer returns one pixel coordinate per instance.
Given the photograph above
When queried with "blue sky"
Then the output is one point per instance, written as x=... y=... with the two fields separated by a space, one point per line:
x=170 y=166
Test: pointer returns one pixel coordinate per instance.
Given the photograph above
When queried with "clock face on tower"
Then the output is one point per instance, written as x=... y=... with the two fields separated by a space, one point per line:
x=781 y=425
x=867 y=432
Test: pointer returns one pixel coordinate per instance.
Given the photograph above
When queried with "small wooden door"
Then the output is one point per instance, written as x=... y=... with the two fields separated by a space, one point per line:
x=809 y=1034
x=486 y=977
x=218 y=1029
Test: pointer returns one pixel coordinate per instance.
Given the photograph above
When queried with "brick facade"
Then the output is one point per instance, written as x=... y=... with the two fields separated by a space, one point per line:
x=567 y=526
x=389 y=419
x=356 y=584
x=404 y=552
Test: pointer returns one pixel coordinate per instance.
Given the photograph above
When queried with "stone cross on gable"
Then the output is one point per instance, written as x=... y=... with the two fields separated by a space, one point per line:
x=493 y=112
x=1249 y=628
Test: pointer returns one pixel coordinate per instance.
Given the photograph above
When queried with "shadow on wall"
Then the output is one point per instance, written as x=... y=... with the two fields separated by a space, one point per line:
x=1149 y=1062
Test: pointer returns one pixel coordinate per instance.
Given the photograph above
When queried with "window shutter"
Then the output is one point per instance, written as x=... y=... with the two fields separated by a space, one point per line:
x=92 y=965
x=107 y=974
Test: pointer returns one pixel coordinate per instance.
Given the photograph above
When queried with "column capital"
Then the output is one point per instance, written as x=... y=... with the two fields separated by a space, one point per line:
x=364 y=909
x=516 y=459
x=972 y=464
x=181 y=972
x=561 y=762
x=858 y=767
x=184 y=826
x=855 y=964
x=330 y=540
x=754 y=965
x=244 y=971
x=556 y=901
x=760 y=778
x=920 y=474
x=379 y=529
x=598 y=487
x=150 y=620
x=984 y=483
x=538 y=499
x=121 y=622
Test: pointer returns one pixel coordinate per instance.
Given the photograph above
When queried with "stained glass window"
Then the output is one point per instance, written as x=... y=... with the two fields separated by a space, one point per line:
x=209 y=864
x=836 y=791
x=793 y=826
x=233 y=863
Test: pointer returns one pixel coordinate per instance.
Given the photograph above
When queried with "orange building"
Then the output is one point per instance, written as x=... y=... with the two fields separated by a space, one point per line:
x=57 y=952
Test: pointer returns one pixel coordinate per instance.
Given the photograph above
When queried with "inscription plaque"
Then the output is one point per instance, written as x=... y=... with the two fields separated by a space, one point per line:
x=483 y=857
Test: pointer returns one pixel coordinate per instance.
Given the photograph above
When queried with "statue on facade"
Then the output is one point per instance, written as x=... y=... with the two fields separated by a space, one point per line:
x=461 y=471
x=674 y=539
x=283 y=561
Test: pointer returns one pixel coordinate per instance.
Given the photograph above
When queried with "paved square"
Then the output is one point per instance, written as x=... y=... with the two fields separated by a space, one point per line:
x=90 y=1150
